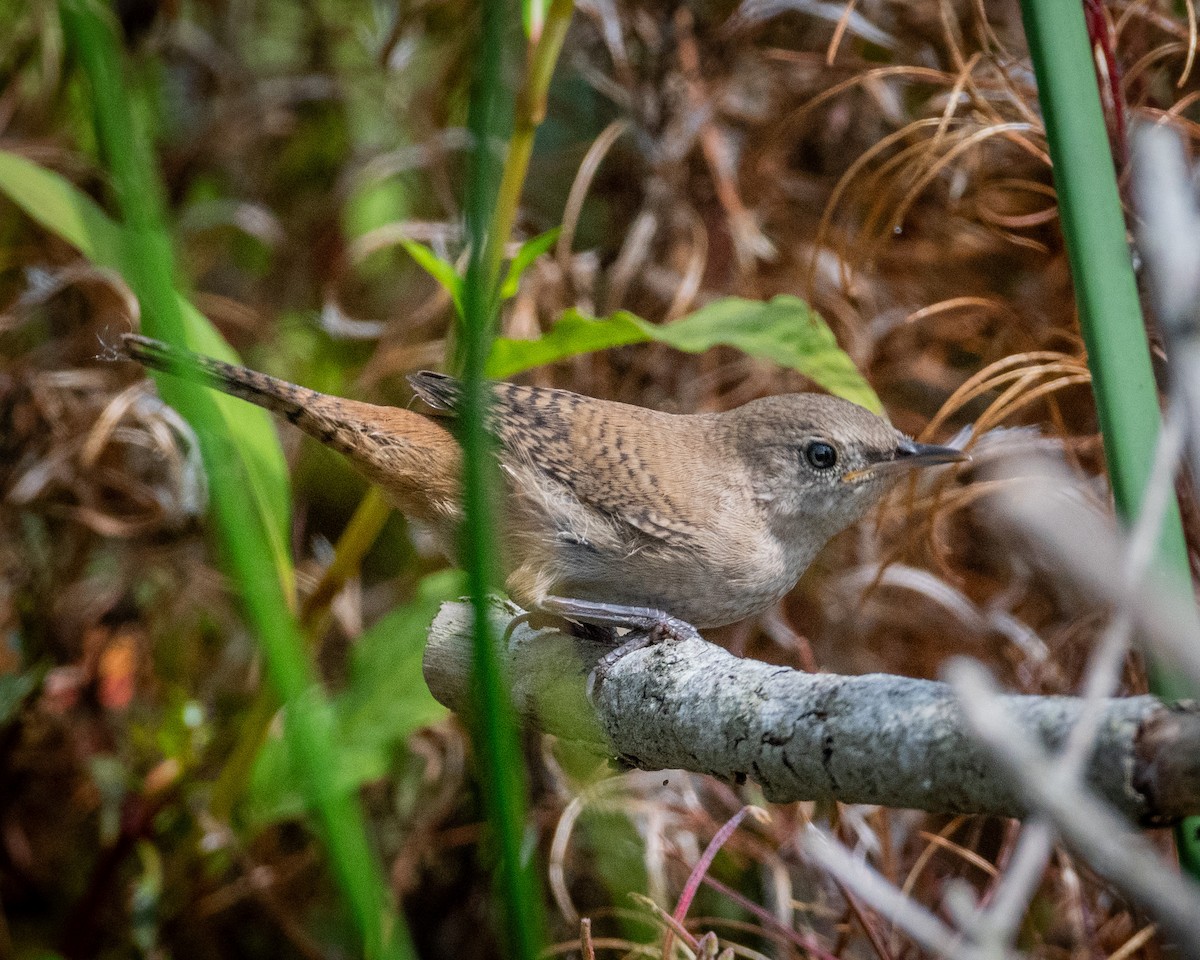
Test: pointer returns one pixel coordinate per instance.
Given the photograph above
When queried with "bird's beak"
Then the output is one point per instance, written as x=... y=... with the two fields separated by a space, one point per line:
x=909 y=454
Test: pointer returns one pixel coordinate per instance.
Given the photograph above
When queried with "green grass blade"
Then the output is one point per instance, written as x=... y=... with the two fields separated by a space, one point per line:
x=242 y=529
x=61 y=208
x=533 y=16
x=1106 y=292
x=493 y=725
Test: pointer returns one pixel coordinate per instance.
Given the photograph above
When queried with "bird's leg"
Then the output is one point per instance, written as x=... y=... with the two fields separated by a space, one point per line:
x=651 y=626
x=541 y=619
x=657 y=624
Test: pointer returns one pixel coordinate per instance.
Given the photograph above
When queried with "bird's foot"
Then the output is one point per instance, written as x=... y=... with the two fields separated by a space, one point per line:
x=650 y=627
x=534 y=619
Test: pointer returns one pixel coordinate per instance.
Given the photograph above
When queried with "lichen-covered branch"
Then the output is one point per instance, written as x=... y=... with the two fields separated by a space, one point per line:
x=879 y=739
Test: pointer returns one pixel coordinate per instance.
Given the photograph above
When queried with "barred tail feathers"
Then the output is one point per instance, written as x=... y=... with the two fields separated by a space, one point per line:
x=416 y=461
x=278 y=396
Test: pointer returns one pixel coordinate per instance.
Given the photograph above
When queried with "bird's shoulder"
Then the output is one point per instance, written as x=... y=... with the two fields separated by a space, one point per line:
x=634 y=465
x=619 y=459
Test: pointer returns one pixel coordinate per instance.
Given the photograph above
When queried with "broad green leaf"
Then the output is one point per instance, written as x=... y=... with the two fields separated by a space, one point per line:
x=66 y=211
x=384 y=702
x=375 y=204
x=530 y=250
x=63 y=209
x=441 y=271
x=386 y=698
x=784 y=330
x=573 y=334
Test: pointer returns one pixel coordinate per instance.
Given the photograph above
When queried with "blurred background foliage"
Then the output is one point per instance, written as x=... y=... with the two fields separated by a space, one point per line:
x=884 y=162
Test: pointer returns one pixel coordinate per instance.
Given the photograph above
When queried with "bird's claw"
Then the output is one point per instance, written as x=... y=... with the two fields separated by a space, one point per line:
x=649 y=633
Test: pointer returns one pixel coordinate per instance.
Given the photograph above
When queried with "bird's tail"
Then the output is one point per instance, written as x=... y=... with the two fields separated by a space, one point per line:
x=414 y=459
x=285 y=399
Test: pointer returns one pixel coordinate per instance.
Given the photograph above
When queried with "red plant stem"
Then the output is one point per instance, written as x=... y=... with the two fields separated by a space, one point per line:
x=1101 y=37
x=697 y=875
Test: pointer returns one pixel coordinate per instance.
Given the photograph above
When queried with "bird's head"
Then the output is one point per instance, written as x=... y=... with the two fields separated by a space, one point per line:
x=818 y=463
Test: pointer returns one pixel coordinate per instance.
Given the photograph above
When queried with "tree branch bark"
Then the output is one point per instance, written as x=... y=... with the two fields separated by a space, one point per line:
x=876 y=739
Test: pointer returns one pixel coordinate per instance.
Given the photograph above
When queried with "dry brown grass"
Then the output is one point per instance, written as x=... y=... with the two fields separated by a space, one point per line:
x=903 y=188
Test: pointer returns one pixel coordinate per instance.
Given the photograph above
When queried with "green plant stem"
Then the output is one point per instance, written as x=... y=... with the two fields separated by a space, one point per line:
x=371 y=514
x=495 y=727
x=530 y=112
x=493 y=724
x=1109 y=311
x=240 y=530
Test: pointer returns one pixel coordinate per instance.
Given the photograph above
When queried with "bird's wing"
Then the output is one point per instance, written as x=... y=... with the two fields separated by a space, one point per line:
x=612 y=457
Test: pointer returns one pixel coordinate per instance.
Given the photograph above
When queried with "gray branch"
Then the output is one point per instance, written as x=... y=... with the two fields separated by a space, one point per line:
x=1091 y=828
x=873 y=739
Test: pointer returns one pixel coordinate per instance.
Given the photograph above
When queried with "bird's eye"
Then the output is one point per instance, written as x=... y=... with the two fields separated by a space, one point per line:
x=820 y=454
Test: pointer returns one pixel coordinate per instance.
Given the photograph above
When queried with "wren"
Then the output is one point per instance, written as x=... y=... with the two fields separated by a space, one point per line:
x=613 y=514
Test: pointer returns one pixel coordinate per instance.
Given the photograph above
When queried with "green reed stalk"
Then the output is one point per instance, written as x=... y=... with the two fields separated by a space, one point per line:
x=149 y=267
x=493 y=724
x=372 y=512
x=1110 y=314
x=529 y=113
